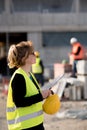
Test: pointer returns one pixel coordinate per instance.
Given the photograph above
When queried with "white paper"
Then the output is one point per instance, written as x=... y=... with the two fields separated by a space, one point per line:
x=49 y=85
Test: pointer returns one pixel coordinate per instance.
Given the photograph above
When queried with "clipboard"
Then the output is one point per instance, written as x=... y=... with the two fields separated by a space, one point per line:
x=49 y=85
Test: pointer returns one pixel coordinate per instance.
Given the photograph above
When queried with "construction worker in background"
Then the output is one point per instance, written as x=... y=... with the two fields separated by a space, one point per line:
x=77 y=53
x=38 y=69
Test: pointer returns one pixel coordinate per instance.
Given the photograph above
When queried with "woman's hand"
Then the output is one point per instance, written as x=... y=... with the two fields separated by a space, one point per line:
x=46 y=93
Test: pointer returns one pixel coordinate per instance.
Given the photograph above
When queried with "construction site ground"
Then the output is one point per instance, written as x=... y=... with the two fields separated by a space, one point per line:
x=74 y=119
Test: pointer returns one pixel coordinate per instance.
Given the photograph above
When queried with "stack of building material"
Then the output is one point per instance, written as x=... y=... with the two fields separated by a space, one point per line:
x=75 y=88
x=82 y=75
x=61 y=68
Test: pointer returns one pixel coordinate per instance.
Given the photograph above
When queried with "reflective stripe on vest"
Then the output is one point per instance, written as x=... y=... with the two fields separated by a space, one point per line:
x=36 y=68
x=23 y=117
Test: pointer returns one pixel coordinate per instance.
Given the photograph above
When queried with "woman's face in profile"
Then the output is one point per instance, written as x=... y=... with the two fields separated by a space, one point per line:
x=31 y=59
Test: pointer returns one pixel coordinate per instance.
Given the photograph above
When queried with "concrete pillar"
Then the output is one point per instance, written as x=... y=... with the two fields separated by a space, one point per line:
x=7 y=6
x=36 y=38
x=77 y=6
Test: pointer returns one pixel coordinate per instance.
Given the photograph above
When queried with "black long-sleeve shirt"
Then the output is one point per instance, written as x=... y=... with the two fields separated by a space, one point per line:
x=41 y=63
x=19 y=92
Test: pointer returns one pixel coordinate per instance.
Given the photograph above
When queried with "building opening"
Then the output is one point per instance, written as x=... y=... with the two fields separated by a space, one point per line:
x=7 y=39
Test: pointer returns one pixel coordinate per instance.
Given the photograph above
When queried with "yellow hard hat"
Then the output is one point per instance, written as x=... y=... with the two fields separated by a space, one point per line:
x=37 y=53
x=52 y=104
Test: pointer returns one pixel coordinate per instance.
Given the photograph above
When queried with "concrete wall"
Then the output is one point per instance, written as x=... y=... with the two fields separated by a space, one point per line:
x=34 y=23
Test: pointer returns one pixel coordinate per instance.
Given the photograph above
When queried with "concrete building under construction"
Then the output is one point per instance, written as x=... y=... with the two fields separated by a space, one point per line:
x=48 y=23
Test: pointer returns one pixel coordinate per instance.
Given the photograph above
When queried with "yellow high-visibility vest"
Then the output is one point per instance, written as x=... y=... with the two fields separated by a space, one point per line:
x=36 y=68
x=23 y=117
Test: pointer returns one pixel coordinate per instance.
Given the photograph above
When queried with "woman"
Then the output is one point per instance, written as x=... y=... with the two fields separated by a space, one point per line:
x=24 y=102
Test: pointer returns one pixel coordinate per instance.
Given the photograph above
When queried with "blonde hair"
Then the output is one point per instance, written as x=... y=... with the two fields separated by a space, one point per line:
x=18 y=53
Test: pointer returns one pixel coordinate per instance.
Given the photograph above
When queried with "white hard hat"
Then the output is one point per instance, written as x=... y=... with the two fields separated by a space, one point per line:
x=73 y=40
